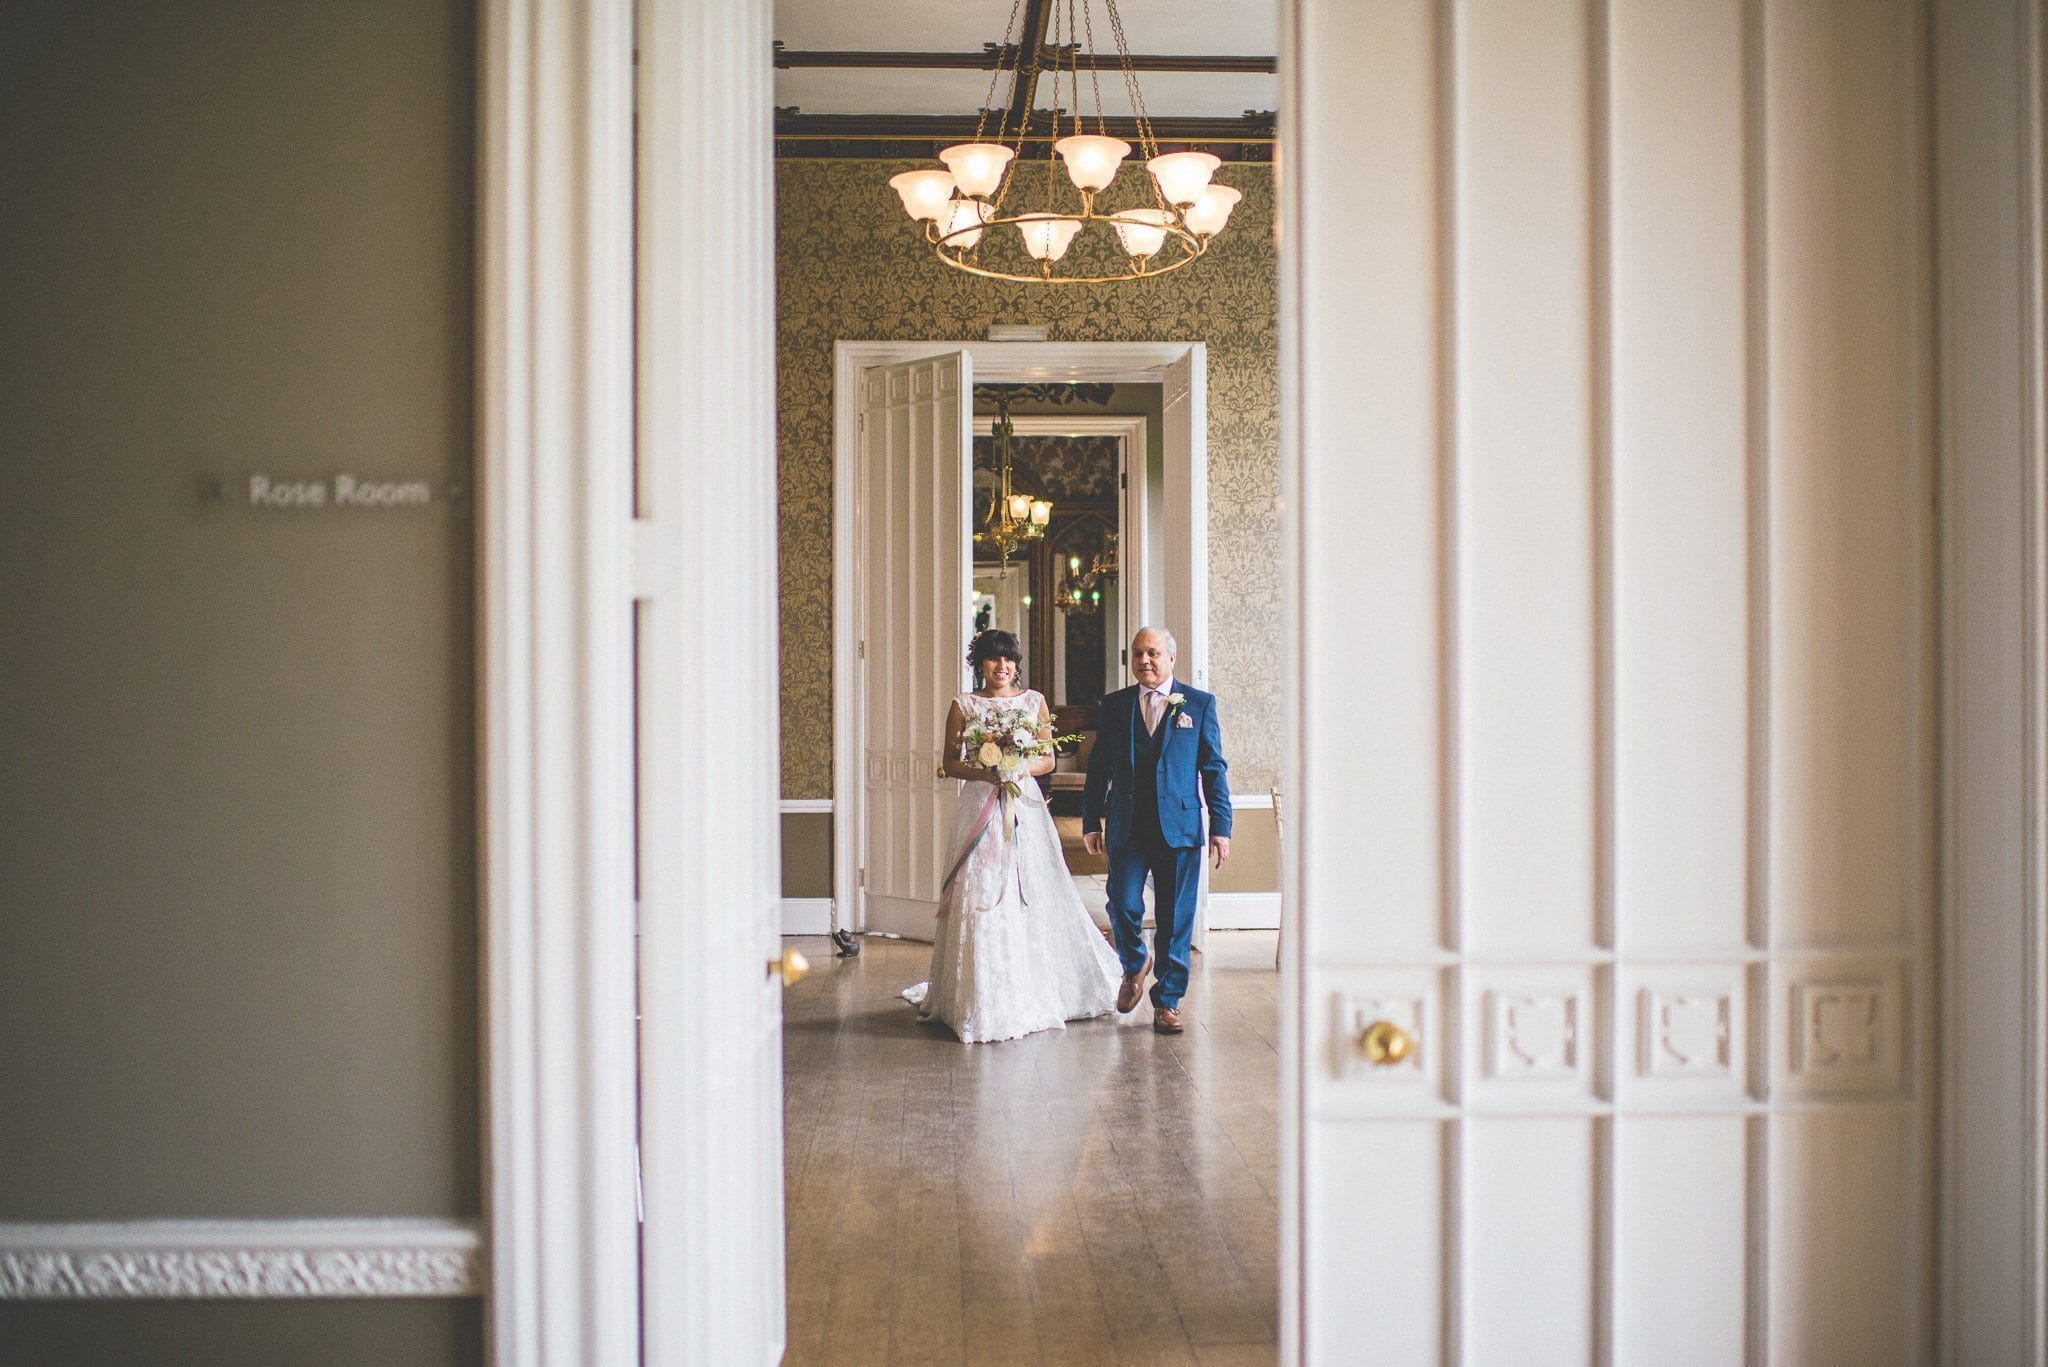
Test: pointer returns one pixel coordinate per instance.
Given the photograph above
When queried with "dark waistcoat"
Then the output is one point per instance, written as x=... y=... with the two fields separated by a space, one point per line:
x=1145 y=791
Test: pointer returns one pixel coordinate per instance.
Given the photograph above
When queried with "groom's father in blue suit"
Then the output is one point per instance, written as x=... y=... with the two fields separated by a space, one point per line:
x=1157 y=764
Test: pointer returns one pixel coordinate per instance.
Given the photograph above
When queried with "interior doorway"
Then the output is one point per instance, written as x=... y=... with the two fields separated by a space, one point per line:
x=1162 y=526
x=1422 y=1204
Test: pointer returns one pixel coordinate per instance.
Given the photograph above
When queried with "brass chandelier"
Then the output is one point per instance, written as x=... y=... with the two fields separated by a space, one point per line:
x=1080 y=591
x=988 y=187
x=1014 y=519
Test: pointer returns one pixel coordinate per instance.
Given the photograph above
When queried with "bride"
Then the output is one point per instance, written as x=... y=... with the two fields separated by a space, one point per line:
x=1015 y=952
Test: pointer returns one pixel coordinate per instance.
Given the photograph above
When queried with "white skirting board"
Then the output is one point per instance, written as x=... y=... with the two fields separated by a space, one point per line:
x=1244 y=911
x=239 y=1259
x=806 y=916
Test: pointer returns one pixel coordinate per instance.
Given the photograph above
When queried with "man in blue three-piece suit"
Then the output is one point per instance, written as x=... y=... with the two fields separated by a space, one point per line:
x=1157 y=763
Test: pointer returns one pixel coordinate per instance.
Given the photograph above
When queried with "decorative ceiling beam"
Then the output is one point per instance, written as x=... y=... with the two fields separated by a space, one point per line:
x=1255 y=126
x=911 y=137
x=994 y=55
x=1024 y=94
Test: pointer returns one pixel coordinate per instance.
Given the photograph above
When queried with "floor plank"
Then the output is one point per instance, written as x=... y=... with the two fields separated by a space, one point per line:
x=1099 y=1196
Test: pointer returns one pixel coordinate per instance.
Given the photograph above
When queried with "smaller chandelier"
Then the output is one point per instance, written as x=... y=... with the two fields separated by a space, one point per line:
x=986 y=214
x=1013 y=518
x=1080 y=591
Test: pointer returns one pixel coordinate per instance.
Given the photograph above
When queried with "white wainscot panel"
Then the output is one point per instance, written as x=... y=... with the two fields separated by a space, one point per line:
x=1530 y=1218
x=1681 y=1235
x=1690 y=1044
x=1410 y=998
x=1383 y=1208
x=1843 y=1215
x=1532 y=1036
x=1845 y=1023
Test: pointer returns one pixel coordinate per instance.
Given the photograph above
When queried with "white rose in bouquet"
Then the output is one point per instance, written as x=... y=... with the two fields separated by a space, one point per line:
x=990 y=754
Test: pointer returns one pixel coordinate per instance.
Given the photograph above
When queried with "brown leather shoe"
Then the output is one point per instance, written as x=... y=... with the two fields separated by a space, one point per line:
x=1166 y=1021
x=1133 y=987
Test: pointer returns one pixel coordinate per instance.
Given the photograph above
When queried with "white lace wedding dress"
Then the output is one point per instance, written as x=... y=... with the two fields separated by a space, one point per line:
x=1018 y=953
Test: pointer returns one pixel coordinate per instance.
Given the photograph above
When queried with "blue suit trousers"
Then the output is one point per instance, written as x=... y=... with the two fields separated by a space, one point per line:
x=1176 y=875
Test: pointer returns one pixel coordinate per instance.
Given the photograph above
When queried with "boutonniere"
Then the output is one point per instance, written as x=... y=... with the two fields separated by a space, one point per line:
x=1176 y=699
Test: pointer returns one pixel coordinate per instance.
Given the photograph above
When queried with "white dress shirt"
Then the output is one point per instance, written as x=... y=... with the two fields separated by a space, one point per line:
x=1153 y=703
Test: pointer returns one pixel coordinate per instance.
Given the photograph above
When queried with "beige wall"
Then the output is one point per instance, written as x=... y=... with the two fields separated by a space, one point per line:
x=849 y=266
x=237 y=946
x=241 y=1333
x=1254 y=854
x=807 y=854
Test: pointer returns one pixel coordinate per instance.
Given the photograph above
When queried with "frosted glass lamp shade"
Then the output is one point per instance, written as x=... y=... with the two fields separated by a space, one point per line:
x=977 y=167
x=1091 y=160
x=925 y=193
x=1181 y=175
x=1048 y=238
x=1020 y=507
x=1211 y=210
x=965 y=213
x=1041 y=512
x=1142 y=231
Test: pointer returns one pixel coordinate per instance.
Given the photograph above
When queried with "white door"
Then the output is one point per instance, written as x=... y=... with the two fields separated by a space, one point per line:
x=1182 y=524
x=1611 y=861
x=706 y=767
x=915 y=574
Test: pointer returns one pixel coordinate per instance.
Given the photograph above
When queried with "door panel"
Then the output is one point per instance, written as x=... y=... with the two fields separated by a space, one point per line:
x=915 y=571
x=1183 y=524
x=707 y=767
x=1610 y=494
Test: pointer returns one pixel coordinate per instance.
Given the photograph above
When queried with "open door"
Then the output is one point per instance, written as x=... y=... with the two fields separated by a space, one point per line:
x=914 y=570
x=1183 y=521
x=1607 y=485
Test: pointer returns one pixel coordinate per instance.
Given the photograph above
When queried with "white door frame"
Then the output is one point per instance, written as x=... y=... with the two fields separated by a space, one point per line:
x=555 y=299
x=561 y=560
x=994 y=362
x=555 y=438
x=1991 y=316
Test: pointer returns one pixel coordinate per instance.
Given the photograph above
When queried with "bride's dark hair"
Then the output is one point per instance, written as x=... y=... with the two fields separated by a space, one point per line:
x=993 y=644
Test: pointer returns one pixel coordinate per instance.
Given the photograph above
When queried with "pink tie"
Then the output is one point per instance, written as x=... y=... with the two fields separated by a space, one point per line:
x=1155 y=707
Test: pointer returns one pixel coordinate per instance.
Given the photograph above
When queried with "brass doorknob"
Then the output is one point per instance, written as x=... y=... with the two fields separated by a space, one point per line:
x=1385 y=1044
x=788 y=966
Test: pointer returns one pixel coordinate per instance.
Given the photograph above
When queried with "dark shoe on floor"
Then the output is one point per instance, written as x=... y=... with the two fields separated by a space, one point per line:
x=1133 y=987
x=1166 y=1020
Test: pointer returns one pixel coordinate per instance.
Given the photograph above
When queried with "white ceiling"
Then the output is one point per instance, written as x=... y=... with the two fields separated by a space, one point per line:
x=1247 y=28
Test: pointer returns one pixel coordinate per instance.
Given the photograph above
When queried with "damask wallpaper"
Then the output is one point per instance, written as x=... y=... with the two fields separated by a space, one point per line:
x=850 y=267
x=1054 y=467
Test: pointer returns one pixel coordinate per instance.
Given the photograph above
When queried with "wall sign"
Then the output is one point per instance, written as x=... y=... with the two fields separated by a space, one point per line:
x=340 y=491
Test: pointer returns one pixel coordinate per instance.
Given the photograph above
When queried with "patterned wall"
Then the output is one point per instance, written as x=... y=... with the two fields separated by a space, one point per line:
x=1052 y=467
x=849 y=267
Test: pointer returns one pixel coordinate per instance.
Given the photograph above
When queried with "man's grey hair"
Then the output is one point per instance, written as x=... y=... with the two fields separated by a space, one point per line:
x=1172 y=646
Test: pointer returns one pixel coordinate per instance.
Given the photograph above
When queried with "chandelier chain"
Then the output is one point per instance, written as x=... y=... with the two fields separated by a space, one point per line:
x=1146 y=143
x=1094 y=74
x=995 y=77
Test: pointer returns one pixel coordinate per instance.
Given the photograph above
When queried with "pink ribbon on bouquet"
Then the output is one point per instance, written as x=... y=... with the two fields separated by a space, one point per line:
x=949 y=890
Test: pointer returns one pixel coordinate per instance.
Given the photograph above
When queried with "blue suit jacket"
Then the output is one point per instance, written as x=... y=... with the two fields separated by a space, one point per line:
x=1191 y=769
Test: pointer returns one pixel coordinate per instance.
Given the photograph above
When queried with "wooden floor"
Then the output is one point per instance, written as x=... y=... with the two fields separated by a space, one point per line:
x=1094 y=1197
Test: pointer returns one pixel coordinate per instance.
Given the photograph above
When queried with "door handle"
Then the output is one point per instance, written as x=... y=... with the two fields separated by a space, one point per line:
x=788 y=966
x=1385 y=1044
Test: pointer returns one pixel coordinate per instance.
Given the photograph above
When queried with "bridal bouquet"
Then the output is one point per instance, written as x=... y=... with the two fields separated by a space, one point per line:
x=1006 y=740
